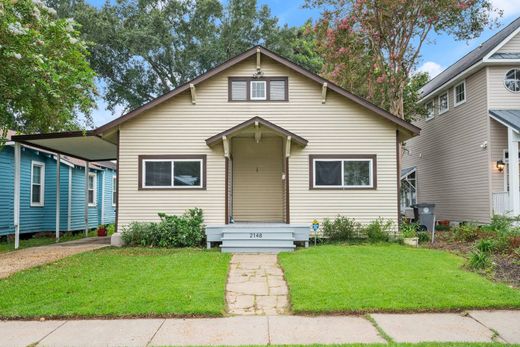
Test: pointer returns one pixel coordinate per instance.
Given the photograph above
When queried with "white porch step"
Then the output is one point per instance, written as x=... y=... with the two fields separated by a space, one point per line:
x=257 y=235
x=256 y=249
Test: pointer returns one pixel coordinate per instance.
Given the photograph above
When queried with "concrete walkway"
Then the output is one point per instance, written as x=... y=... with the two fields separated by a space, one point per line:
x=256 y=286
x=22 y=259
x=477 y=326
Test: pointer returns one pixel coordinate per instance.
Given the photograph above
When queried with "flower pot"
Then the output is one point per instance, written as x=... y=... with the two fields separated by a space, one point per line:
x=411 y=241
x=101 y=232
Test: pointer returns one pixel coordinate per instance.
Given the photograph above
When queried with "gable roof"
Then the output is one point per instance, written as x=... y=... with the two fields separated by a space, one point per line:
x=470 y=59
x=241 y=57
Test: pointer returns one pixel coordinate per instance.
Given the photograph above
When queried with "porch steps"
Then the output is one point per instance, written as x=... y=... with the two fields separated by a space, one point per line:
x=257 y=237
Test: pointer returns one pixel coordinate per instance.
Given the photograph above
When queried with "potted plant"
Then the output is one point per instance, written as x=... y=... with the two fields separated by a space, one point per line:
x=409 y=233
x=102 y=230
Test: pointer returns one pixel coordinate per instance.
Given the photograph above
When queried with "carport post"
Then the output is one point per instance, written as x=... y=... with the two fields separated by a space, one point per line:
x=17 y=161
x=86 y=198
x=58 y=164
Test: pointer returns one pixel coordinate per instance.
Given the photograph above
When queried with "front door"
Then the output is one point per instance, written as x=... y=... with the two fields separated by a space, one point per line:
x=257 y=180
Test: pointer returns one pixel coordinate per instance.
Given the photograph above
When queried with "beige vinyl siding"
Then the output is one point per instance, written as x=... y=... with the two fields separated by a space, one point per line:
x=257 y=180
x=336 y=127
x=499 y=96
x=498 y=143
x=452 y=168
x=512 y=46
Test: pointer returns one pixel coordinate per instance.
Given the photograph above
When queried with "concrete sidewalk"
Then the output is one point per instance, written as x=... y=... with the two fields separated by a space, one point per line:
x=477 y=326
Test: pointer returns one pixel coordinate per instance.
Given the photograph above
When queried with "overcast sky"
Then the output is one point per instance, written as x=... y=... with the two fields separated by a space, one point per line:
x=437 y=55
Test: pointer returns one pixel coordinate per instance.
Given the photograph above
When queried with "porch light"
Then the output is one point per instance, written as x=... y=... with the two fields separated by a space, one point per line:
x=500 y=165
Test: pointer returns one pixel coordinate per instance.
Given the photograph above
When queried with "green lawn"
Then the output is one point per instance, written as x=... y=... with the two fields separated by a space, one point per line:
x=118 y=283
x=373 y=278
x=8 y=246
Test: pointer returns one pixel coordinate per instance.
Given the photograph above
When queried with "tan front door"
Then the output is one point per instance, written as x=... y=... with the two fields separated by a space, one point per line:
x=257 y=180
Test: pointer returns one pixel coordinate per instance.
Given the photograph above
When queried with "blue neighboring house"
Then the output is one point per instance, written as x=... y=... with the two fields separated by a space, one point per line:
x=38 y=191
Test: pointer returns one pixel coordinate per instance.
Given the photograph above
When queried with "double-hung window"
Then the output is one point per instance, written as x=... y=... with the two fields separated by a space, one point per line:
x=443 y=103
x=343 y=172
x=114 y=191
x=92 y=189
x=258 y=90
x=37 y=183
x=169 y=172
x=409 y=189
x=430 y=110
x=459 y=94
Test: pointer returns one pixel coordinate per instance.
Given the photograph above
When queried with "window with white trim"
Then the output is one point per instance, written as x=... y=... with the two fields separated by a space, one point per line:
x=114 y=190
x=92 y=189
x=459 y=93
x=512 y=80
x=172 y=173
x=430 y=110
x=343 y=173
x=258 y=90
x=37 y=183
x=443 y=103
x=409 y=190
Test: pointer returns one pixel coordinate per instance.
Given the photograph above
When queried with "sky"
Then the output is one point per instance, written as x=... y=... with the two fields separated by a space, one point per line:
x=439 y=52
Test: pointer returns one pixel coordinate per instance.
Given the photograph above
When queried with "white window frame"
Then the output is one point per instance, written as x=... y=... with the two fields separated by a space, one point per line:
x=172 y=186
x=455 y=103
x=114 y=190
x=405 y=178
x=432 y=115
x=505 y=75
x=447 y=102
x=42 y=183
x=94 y=188
x=343 y=185
x=251 y=90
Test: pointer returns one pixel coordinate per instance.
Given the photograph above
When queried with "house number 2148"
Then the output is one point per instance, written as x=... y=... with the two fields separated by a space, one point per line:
x=255 y=235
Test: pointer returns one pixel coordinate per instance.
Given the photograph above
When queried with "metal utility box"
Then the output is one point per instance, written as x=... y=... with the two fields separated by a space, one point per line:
x=424 y=214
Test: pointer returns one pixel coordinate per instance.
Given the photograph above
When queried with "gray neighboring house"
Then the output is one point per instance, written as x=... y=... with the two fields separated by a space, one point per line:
x=462 y=162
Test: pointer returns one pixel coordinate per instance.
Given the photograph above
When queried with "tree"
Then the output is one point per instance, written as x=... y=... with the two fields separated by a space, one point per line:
x=142 y=49
x=46 y=83
x=372 y=46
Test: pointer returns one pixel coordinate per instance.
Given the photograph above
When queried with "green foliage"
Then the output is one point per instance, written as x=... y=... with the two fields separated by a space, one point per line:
x=46 y=83
x=172 y=231
x=465 y=232
x=441 y=227
x=485 y=245
x=341 y=229
x=424 y=237
x=409 y=230
x=111 y=229
x=479 y=260
x=379 y=230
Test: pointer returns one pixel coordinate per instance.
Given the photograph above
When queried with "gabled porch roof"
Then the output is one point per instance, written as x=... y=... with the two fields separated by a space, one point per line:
x=218 y=138
x=509 y=118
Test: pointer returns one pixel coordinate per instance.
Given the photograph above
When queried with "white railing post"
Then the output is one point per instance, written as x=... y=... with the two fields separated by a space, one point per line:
x=17 y=162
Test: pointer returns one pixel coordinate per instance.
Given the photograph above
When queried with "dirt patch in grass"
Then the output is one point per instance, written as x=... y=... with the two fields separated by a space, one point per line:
x=507 y=269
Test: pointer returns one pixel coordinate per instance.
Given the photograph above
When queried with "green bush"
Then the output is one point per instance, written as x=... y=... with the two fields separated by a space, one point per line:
x=172 y=231
x=424 y=237
x=409 y=230
x=465 y=232
x=111 y=228
x=341 y=229
x=379 y=230
x=479 y=260
x=485 y=245
x=441 y=227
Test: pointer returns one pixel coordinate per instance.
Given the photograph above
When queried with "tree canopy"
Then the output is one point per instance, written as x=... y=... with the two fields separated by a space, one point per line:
x=46 y=83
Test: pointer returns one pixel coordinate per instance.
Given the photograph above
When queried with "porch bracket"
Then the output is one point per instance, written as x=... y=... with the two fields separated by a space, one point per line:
x=324 y=92
x=258 y=132
x=225 y=142
x=193 y=94
x=288 y=147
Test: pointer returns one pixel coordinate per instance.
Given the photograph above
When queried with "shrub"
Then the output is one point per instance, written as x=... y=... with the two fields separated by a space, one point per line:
x=424 y=236
x=409 y=230
x=172 y=231
x=111 y=228
x=379 y=230
x=466 y=232
x=485 y=245
x=479 y=260
x=442 y=227
x=341 y=229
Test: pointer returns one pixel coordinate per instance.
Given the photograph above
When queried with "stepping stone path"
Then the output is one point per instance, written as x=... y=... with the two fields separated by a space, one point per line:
x=256 y=286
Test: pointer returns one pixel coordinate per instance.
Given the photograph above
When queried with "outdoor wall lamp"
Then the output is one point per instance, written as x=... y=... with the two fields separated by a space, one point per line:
x=500 y=165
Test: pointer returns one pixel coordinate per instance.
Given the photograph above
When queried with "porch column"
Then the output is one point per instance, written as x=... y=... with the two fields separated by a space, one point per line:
x=17 y=161
x=103 y=196
x=86 y=198
x=58 y=164
x=514 y=184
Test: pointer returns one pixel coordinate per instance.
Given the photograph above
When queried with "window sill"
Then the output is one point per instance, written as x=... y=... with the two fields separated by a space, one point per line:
x=37 y=205
x=460 y=103
x=443 y=112
x=343 y=188
x=172 y=188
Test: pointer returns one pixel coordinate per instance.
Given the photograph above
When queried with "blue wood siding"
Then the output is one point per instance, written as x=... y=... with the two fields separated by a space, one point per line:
x=43 y=218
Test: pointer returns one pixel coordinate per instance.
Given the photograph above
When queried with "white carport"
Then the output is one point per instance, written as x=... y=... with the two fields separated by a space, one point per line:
x=84 y=145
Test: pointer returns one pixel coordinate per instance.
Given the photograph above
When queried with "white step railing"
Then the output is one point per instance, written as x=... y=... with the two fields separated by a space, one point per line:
x=501 y=204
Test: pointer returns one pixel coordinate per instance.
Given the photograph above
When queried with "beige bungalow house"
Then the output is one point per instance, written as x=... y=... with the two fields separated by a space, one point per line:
x=462 y=162
x=260 y=144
